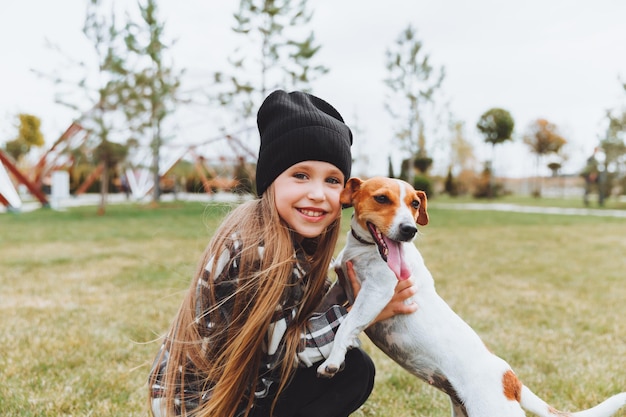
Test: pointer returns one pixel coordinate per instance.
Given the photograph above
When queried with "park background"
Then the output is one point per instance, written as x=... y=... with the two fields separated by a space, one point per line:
x=87 y=293
x=556 y=62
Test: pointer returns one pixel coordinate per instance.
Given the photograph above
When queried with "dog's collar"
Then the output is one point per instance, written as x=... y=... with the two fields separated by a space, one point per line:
x=360 y=239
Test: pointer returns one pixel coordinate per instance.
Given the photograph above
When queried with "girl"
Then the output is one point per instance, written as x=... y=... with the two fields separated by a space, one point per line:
x=259 y=316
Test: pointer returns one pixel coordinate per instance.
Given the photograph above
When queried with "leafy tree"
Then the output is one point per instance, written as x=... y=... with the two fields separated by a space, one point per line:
x=29 y=135
x=554 y=167
x=111 y=153
x=279 y=58
x=150 y=88
x=16 y=148
x=411 y=82
x=496 y=125
x=543 y=139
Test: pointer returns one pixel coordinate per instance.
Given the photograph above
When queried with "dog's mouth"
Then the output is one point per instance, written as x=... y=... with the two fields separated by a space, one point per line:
x=391 y=252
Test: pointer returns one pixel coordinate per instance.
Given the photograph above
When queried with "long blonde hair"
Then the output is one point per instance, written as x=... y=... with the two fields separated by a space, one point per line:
x=230 y=366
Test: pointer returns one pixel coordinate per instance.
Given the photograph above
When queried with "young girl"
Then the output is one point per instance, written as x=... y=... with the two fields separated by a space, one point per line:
x=259 y=317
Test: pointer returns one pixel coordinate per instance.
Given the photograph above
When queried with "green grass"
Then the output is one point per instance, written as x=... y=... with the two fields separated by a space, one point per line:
x=85 y=298
x=612 y=203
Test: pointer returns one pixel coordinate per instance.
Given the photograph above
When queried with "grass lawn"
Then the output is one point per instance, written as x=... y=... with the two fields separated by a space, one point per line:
x=85 y=298
x=612 y=203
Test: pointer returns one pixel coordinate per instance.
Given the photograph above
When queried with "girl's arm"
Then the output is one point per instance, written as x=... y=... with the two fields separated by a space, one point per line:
x=398 y=305
x=321 y=329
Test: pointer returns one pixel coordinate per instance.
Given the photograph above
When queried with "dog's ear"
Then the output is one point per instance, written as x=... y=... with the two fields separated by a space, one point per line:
x=353 y=185
x=422 y=214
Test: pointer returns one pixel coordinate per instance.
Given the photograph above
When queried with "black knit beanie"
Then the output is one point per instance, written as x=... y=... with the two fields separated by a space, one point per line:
x=296 y=127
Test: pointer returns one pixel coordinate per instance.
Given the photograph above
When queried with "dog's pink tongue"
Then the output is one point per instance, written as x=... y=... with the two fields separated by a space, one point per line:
x=395 y=260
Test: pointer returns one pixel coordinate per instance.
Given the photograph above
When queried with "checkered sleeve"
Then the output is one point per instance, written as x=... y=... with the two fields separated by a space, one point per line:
x=320 y=335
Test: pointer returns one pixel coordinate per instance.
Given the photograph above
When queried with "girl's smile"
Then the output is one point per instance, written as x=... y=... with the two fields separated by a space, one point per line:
x=312 y=212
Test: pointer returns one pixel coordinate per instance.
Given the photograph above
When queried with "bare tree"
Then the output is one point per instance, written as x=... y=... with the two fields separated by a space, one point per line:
x=150 y=88
x=275 y=55
x=100 y=115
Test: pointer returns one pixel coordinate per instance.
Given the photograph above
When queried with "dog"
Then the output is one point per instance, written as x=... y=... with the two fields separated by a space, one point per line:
x=433 y=343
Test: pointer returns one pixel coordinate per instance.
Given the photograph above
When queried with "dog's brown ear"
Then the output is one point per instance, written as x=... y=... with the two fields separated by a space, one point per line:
x=353 y=185
x=422 y=214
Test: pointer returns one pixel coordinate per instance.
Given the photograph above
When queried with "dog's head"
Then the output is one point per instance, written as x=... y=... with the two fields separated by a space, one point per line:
x=385 y=201
x=389 y=209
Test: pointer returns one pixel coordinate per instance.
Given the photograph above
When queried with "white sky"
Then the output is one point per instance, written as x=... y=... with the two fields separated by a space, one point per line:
x=558 y=59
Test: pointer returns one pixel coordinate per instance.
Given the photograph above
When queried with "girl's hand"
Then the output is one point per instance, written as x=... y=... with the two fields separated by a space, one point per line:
x=398 y=304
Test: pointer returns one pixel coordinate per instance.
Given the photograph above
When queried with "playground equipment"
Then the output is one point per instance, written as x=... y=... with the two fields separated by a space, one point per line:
x=8 y=194
x=7 y=190
x=136 y=174
x=57 y=157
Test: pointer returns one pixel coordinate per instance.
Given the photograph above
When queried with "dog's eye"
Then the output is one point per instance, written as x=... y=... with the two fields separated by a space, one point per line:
x=381 y=199
x=415 y=204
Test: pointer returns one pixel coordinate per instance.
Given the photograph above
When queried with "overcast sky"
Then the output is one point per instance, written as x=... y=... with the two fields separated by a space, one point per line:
x=562 y=60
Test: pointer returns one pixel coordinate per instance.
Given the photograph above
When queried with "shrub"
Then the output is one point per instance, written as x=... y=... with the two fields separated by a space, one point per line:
x=422 y=182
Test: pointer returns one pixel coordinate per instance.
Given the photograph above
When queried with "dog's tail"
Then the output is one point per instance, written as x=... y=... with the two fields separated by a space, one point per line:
x=531 y=402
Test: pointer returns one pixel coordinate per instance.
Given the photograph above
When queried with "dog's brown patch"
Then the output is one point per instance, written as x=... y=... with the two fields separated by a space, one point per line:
x=422 y=214
x=512 y=386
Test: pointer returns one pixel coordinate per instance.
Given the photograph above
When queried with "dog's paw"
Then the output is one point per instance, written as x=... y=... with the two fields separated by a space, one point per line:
x=328 y=370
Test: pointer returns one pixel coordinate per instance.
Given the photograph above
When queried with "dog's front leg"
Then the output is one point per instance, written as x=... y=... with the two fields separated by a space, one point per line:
x=372 y=299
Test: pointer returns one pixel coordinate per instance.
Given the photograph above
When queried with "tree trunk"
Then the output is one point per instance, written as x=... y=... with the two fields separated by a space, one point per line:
x=490 y=193
x=156 y=147
x=104 y=190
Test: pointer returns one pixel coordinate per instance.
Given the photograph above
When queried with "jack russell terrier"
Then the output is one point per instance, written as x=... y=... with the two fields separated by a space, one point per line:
x=433 y=343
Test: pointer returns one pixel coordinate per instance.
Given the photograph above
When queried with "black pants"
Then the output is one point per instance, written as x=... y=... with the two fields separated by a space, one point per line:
x=310 y=396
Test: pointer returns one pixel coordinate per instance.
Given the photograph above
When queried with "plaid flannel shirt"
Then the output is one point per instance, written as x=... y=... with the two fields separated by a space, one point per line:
x=316 y=341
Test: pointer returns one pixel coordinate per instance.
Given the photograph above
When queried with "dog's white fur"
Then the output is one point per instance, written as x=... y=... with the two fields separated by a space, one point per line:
x=433 y=343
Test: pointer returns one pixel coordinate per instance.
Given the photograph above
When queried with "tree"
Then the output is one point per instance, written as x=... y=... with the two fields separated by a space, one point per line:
x=104 y=35
x=29 y=135
x=411 y=82
x=543 y=139
x=111 y=153
x=98 y=105
x=555 y=167
x=461 y=172
x=496 y=125
x=390 y=173
x=421 y=160
x=151 y=86
x=277 y=58
x=461 y=150
x=614 y=147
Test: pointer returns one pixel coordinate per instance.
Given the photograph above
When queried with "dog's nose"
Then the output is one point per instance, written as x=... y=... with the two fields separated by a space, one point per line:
x=408 y=231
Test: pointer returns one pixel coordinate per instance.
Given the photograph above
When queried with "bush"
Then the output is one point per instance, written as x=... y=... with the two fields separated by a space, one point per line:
x=451 y=186
x=484 y=188
x=422 y=182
